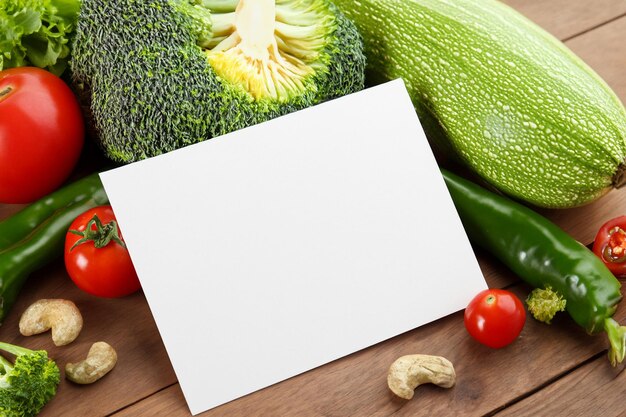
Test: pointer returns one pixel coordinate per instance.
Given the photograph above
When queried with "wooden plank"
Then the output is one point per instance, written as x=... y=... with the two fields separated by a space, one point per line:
x=594 y=389
x=125 y=323
x=487 y=379
x=582 y=223
x=604 y=50
x=565 y=18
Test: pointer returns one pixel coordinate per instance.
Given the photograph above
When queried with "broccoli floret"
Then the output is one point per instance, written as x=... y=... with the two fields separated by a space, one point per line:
x=158 y=75
x=543 y=304
x=28 y=384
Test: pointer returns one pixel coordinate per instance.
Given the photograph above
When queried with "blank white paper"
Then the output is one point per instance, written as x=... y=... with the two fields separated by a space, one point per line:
x=278 y=248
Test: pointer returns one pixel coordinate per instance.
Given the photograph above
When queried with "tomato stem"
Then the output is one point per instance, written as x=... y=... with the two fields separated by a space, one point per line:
x=101 y=235
x=4 y=93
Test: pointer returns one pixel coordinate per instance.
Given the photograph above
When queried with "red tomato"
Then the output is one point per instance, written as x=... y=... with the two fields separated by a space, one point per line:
x=495 y=317
x=98 y=261
x=41 y=133
x=610 y=245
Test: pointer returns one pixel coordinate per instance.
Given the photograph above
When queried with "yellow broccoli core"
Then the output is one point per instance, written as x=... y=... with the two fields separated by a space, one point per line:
x=269 y=47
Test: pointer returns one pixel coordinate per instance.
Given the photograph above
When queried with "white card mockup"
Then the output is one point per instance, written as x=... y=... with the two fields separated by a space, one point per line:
x=278 y=248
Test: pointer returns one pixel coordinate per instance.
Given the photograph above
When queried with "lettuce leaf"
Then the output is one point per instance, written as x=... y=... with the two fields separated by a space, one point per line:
x=37 y=32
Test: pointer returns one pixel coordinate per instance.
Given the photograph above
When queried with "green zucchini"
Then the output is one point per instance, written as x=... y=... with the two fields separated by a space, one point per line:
x=516 y=106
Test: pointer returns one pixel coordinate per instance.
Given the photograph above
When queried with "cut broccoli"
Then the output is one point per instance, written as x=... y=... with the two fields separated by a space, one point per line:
x=158 y=75
x=543 y=304
x=28 y=384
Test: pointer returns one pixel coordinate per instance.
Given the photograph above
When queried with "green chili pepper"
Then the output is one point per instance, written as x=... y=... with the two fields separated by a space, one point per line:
x=38 y=234
x=22 y=223
x=543 y=255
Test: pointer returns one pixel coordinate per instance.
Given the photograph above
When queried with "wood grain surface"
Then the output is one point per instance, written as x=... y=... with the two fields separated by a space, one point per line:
x=566 y=19
x=555 y=370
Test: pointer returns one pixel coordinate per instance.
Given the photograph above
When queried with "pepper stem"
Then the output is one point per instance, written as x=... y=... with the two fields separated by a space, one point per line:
x=101 y=235
x=617 y=340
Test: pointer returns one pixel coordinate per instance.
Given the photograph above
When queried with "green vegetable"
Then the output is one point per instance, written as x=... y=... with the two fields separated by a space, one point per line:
x=22 y=223
x=543 y=255
x=544 y=303
x=28 y=384
x=512 y=101
x=163 y=74
x=37 y=234
x=37 y=33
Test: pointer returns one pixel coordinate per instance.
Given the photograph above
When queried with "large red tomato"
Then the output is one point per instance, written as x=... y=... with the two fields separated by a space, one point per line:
x=41 y=133
x=495 y=317
x=96 y=257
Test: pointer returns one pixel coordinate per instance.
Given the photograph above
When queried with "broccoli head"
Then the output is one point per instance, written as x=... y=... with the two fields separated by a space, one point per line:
x=158 y=75
x=28 y=384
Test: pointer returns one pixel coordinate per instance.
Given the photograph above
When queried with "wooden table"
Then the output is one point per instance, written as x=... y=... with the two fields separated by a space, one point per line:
x=550 y=370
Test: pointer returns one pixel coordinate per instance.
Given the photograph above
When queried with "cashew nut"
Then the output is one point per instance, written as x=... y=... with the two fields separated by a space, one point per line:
x=100 y=360
x=410 y=371
x=62 y=316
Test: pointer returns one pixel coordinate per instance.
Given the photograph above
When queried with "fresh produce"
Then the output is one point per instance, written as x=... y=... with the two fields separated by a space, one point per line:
x=37 y=32
x=514 y=103
x=495 y=317
x=39 y=238
x=29 y=383
x=410 y=371
x=543 y=255
x=162 y=74
x=610 y=245
x=60 y=316
x=96 y=257
x=41 y=134
x=21 y=224
x=100 y=360
x=544 y=303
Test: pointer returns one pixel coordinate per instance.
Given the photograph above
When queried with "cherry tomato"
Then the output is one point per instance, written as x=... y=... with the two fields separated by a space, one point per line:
x=41 y=133
x=610 y=245
x=495 y=317
x=96 y=257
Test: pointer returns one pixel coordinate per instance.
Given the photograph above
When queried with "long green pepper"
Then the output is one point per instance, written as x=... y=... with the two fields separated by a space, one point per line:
x=543 y=255
x=35 y=236
x=22 y=223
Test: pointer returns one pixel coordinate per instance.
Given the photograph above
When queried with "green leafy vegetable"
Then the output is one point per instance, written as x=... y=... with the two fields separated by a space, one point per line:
x=28 y=384
x=37 y=33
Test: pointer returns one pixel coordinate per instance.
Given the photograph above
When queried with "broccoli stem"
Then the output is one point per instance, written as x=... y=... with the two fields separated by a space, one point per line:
x=219 y=6
x=6 y=365
x=15 y=350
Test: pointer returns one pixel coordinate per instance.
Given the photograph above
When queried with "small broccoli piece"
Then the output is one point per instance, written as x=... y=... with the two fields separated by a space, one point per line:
x=28 y=384
x=162 y=74
x=543 y=304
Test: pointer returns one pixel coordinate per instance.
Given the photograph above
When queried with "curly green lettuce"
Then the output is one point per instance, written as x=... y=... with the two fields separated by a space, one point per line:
x=37 y=33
